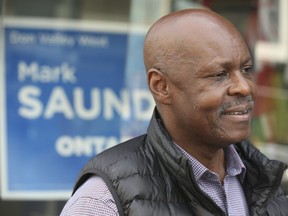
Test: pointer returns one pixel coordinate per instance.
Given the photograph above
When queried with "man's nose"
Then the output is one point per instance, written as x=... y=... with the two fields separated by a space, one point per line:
x=240 y=85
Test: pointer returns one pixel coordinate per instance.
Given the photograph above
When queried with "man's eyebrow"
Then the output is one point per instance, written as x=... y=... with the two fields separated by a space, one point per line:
x=247 y=60
x=224 y=62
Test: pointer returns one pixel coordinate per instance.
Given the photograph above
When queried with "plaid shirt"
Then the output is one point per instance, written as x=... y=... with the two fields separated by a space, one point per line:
x=94 y=198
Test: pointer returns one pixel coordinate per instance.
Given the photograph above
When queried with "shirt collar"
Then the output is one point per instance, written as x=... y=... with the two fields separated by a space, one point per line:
x=234 y=164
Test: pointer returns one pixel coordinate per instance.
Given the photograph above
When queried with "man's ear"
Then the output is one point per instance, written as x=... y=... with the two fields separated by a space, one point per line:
x=159 y=86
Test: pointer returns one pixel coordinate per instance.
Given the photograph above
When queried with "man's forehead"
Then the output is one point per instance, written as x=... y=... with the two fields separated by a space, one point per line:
x=187 y=31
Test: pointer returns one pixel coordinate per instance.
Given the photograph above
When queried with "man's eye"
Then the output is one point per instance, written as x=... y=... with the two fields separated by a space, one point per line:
x=221 y=74
x=247 y=70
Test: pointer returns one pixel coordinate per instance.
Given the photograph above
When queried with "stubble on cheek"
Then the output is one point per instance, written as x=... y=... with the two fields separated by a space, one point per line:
x=220 y=135
x=214 y=123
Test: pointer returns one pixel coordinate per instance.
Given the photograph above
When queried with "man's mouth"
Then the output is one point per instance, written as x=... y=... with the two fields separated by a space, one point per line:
x=239 y=112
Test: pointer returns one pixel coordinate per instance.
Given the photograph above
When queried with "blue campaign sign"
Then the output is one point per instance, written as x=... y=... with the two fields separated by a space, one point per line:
x=69 y=94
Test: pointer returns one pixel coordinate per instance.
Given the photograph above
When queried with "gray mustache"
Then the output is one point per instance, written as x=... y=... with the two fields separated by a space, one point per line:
x=247 y=101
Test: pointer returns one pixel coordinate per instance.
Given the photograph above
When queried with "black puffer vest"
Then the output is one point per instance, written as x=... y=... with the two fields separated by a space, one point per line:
x=149 y=176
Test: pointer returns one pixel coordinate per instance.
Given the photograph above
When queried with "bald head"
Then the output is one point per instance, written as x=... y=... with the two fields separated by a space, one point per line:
x=166 y=42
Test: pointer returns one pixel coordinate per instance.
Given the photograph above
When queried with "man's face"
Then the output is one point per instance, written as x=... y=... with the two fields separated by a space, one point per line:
x=213 y=98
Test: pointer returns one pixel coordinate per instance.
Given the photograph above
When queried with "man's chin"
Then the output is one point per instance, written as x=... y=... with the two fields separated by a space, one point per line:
x=237 y=137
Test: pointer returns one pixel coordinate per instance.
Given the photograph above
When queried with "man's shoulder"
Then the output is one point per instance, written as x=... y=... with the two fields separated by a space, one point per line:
x=114 y=160
x=121 y=150
x=93 y=198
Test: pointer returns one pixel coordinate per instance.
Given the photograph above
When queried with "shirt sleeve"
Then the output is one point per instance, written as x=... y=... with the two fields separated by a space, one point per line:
x=93 y=198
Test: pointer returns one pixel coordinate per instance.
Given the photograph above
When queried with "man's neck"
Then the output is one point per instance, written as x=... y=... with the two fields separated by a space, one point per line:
x=212 y=160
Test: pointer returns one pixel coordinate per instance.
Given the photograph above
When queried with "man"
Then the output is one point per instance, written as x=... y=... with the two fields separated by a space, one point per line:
x=194 y=159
